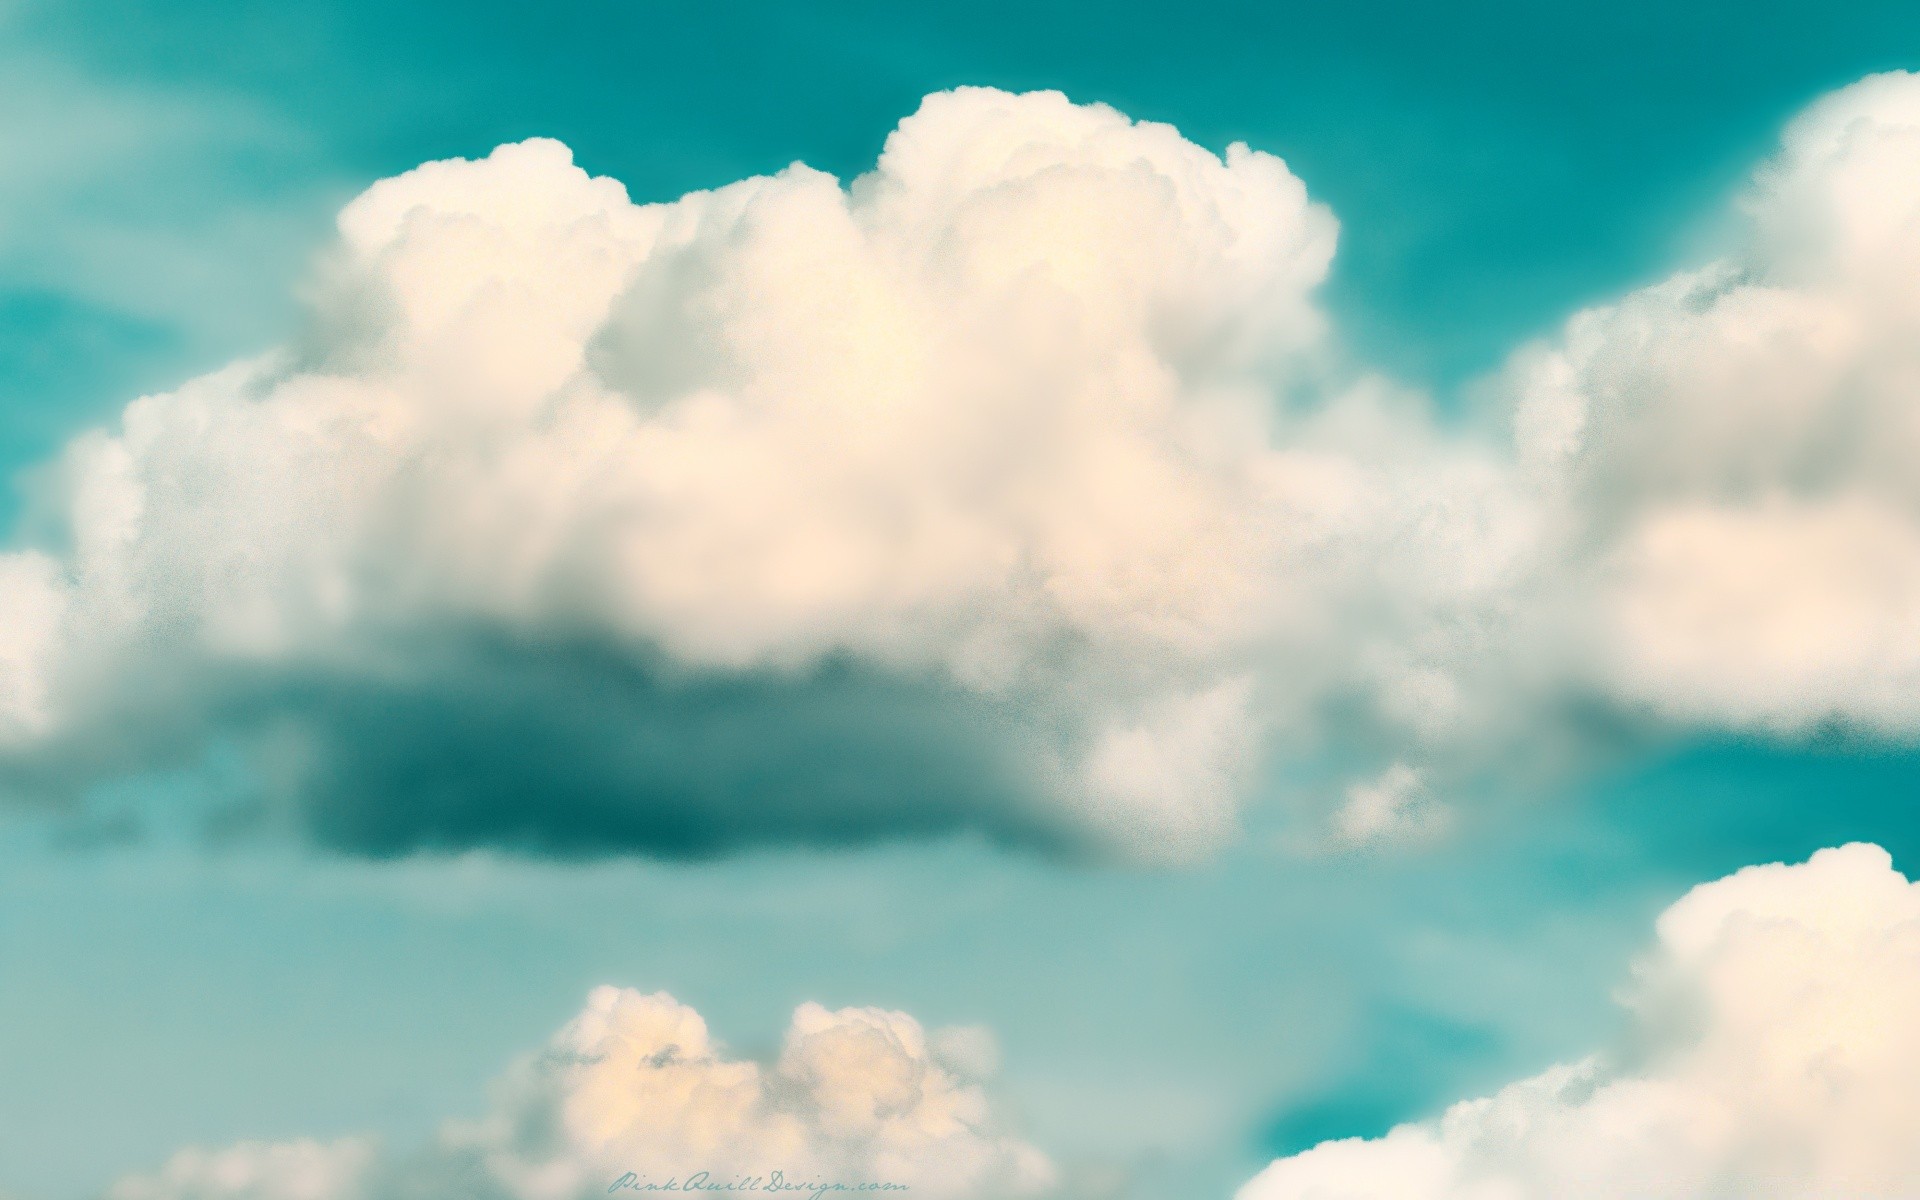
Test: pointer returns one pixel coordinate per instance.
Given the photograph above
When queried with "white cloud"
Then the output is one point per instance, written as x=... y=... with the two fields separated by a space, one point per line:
x=1395 y=807
x=1729 y=451
x=713 y=521
x=30 y=604
x=999 y=419
x=1773 y=613
x=1772 y=1053
x=636 y=1084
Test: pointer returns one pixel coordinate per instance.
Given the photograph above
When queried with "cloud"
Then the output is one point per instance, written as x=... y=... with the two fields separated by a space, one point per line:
x=1018 y=486
x=1396 y=807
x=636 y=1084
x=1771 y=1052
x=1726 y=452
x=297 y=1170
x=573 y=523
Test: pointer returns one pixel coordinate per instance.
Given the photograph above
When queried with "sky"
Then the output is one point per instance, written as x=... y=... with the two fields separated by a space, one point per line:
x=330 y=884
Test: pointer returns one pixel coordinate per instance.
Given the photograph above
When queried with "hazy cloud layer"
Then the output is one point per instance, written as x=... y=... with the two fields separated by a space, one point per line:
x=1017 y=486
x=636 y=1084
x=1772 y=1053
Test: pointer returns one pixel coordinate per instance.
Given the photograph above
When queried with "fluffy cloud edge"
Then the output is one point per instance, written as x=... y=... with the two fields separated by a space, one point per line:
x=1771 y=1052
x=634 y=1087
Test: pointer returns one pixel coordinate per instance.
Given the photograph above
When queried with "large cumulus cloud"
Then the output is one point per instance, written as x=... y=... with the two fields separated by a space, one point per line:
x=968 y=495
x=1017 y=486
x=635 y=1085
x=1772 y=1053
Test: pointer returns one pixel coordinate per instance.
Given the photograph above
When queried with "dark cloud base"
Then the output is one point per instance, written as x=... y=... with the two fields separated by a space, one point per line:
x=571 y=751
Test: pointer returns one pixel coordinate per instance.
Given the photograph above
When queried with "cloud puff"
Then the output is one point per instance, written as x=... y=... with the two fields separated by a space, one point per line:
x=967 y=484
x=635 y=1084
x=1395 y=807
x=1772 y=1053
x=1727 y=453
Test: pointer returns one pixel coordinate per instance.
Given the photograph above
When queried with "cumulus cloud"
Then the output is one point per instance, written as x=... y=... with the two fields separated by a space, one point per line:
x=1727 y=453
x=1017 y=486
x=1772 y=1053
x=963 y=496
x=635 y=1084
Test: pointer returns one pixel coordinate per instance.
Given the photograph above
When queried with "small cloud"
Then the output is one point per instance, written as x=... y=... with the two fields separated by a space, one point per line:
x=1395 y=808
x=635 y=1084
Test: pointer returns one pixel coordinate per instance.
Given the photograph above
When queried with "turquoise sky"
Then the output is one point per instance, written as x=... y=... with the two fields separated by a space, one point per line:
x=165 y=178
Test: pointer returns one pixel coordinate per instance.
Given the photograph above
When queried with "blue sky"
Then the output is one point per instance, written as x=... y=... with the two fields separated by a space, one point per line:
x=165 y=182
